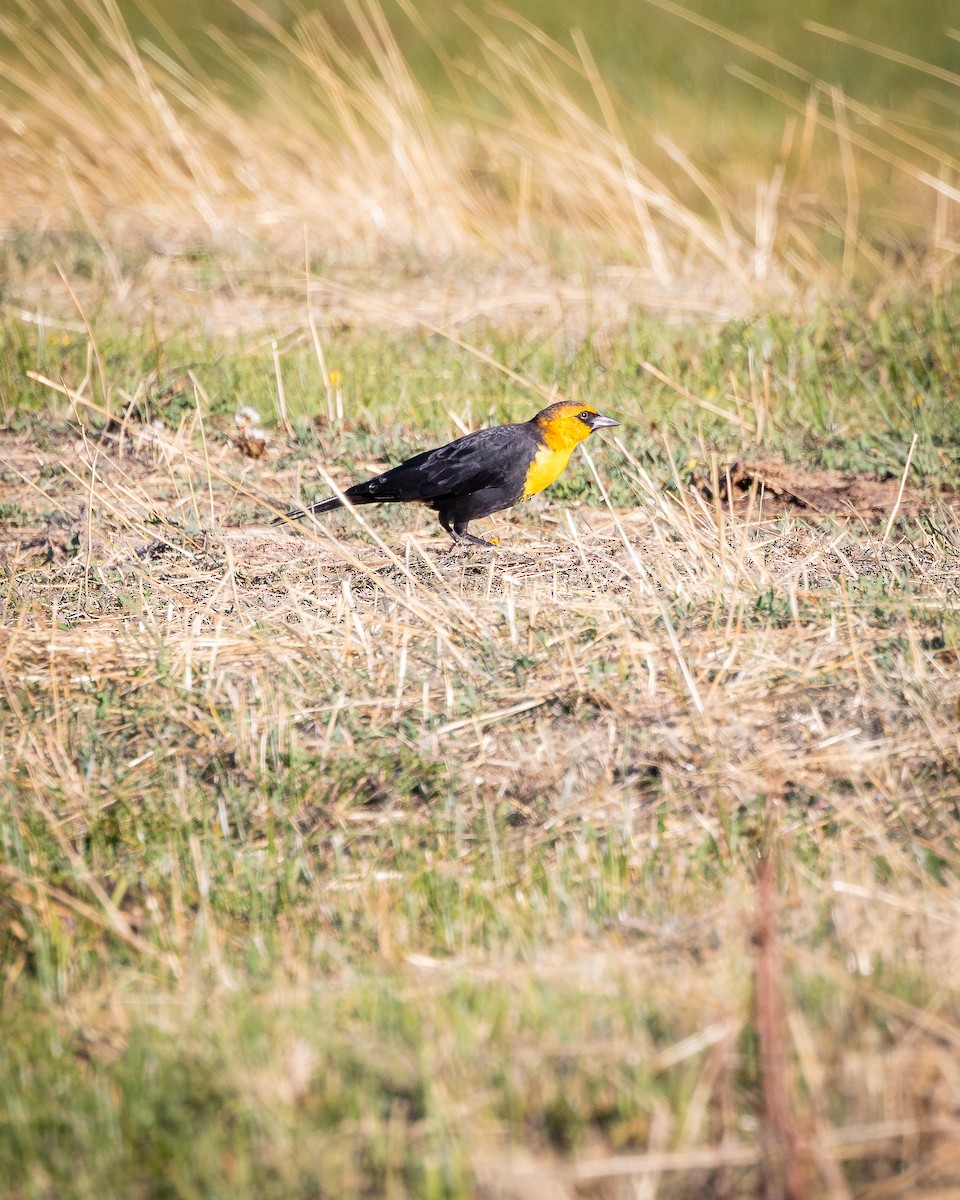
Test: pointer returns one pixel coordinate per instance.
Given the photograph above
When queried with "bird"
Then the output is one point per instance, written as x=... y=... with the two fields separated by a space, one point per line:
x=481 y=473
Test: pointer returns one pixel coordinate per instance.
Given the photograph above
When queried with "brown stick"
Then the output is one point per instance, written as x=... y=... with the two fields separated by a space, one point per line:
x=784 y=1163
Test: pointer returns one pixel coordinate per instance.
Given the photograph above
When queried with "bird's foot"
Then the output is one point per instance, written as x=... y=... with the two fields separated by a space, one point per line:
x=467 y=539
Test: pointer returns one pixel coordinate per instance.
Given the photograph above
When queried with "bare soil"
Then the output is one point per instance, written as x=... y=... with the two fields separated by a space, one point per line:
x=773 y=487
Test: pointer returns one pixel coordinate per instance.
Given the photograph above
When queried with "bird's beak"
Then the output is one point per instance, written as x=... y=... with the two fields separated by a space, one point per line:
x=602 y=422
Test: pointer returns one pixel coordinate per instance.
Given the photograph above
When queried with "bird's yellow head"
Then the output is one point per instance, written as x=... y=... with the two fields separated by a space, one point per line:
x=564 y=425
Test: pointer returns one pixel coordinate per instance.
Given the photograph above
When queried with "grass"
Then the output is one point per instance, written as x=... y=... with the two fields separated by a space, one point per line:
x=337 y=861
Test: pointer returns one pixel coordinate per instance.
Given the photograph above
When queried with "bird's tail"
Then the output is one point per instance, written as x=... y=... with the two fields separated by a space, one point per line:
x=321 y=506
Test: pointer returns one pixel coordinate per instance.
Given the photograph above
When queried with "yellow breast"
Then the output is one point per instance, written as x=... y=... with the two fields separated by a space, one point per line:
x=545 y=468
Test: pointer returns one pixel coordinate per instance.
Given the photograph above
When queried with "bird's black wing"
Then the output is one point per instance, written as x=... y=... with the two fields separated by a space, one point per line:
x=483 y=459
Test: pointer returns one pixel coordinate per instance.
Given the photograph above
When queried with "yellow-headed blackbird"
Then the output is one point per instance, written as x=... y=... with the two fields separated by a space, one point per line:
x=481 y=473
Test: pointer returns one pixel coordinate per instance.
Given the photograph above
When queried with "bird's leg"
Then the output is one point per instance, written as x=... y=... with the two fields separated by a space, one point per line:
x=461 y=534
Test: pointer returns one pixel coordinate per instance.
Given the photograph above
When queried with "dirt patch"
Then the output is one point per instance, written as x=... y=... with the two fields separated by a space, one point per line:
x=781 y=488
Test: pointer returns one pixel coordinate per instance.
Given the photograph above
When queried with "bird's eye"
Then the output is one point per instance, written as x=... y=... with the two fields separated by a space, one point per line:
x=585 y=415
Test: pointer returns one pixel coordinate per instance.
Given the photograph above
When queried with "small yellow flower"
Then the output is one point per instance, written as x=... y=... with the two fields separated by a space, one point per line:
x=334 y=377
x=917 y=400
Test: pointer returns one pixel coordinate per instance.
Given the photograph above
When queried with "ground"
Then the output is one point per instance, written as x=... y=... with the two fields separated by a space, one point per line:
x=462 y=846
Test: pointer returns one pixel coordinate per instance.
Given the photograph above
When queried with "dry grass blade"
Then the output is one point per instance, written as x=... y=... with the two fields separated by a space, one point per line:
x=896 y=56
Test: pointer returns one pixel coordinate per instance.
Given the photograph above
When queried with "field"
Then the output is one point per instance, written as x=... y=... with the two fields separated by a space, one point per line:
x=338 y=861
